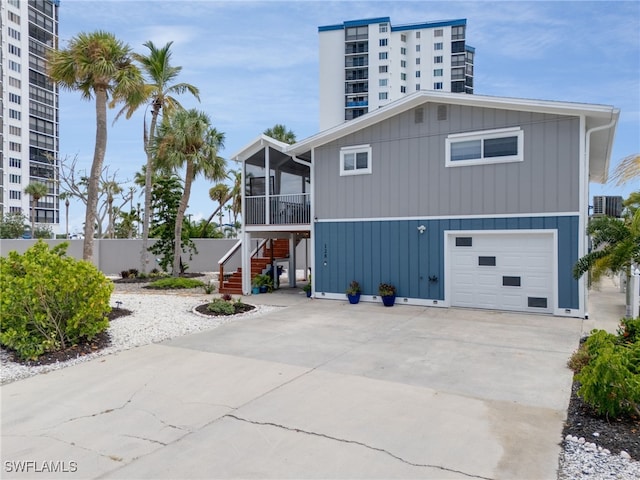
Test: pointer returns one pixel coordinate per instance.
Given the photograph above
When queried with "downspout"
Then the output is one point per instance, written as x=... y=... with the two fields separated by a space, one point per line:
x=587 y=158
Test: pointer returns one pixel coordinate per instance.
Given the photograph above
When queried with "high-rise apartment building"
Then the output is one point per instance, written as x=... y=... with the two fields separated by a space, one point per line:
x=365 y=64
x=29 y=146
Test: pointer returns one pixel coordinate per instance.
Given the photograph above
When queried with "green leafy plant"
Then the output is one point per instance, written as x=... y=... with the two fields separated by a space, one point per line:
x=354 y=288
x=209 y=288
x=629 y=330
x=610 y=379
x=50 y=301
x=174 y=283
x=386 y=290
x=221 y=307
x=263 y=280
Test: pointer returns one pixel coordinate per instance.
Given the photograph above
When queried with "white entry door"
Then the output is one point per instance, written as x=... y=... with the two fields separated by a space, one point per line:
x=502 y=271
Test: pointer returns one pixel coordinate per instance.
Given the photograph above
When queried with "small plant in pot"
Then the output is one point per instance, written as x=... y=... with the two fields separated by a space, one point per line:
x=353 y=292
x=388 y=294
x=307 y=288
x=263 y=282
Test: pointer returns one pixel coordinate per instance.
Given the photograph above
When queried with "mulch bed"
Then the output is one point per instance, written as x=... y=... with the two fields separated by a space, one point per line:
x=152 y=279
x=614 y=435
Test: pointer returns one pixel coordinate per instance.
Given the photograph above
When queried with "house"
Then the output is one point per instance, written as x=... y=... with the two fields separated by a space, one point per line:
x=457 y=200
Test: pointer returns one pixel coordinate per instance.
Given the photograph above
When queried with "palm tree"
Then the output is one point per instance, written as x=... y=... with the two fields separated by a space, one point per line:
x=36 y=190
x=95 y=64
x=188 y=140
x=627 y=169
x=280 y=132
x=158 y=93
x=111 y=188
x=234 y=195
x=219 y=193
x=66 y=196
x=616 y=247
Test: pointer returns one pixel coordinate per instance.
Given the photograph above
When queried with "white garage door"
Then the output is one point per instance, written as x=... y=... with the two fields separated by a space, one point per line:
x=502 y=271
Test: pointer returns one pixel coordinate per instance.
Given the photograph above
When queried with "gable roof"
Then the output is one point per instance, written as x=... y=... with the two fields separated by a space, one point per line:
x=604 y=117
x=257 y=144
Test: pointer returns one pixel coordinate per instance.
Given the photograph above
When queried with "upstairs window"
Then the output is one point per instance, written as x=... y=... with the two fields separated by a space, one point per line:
x=489 y=146
x=355 y=160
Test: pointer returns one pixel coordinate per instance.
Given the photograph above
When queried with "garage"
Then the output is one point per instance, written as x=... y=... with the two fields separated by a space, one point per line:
x=502 y=270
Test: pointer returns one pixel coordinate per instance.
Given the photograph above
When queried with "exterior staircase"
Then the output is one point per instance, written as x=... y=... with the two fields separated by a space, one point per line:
x=233 y=285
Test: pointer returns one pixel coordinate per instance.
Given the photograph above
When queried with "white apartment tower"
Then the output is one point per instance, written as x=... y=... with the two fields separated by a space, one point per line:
x=29 y=146
x=365 y=64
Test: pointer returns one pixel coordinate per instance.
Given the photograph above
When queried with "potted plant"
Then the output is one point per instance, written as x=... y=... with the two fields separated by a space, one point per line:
x=255 y=285
x=307 y=287
x=263 y=282
x=388 y=294
x=353 y=292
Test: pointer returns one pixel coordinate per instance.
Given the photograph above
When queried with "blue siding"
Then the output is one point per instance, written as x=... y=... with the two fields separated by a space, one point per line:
x=393 y=251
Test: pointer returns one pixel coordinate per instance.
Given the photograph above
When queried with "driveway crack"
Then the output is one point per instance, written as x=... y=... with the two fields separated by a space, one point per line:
x=355 y=442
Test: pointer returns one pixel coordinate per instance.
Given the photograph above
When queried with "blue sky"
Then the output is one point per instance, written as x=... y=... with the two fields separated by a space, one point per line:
x=256 y=64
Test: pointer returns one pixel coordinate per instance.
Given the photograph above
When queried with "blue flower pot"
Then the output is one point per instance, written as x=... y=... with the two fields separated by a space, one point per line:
x=353 y=299
x=388 y=300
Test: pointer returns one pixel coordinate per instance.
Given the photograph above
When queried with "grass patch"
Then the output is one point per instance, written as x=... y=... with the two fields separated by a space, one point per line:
x=175 y=283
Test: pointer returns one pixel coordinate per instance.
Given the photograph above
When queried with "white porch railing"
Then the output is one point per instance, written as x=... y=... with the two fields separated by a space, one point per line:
x=291 y=209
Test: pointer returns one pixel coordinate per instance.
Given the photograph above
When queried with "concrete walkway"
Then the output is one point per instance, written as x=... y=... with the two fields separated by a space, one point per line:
x=320 y=389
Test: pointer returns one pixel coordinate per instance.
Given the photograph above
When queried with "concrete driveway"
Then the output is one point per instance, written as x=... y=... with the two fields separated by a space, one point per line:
x=318 y=389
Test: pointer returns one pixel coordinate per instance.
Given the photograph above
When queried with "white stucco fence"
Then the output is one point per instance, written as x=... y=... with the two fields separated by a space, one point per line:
x=112 y=256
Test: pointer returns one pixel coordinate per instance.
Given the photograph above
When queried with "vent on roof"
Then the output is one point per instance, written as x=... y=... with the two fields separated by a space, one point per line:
x=419 y=115
x=442 y=112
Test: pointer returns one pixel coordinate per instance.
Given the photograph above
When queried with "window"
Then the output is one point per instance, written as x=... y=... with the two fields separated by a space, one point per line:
x=383 y=96
x=383 y=28
x=437 y=46
x=417 y=48
x=457 y=73
x=14 y=114
x=15 y=146
x=457 y=33
x=14 y=18
x=403 y=89
x=487 y=261
x=511 y=281
x=15 y=194
x=403 y=50
x=437 y=32
x=15 y=162
x=13 y=130
x=403 y=76
x=464 y=241
x=418 y=61
x=418 y=74
x=490 y=146
x=15 y=209
x=437 y=59
x=383 y=82
x=15 y=66
x=417 y=86
x=355 y=160
x=383 y=69
x=403 y=38
x=437 y=86
x=383 y=42
x=15 y=82
x=437 y=72
x=403 y=64
x=383 y=55
x=13 y=178
x=14 y=50
x=417 y=34
x=13 y=98
x=15 y=3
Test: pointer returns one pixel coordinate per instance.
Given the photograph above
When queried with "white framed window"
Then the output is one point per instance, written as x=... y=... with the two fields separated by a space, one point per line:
x=383 y=82
x=383 y=42
x=382 y=55
x=437 y=72
x=437 y=86
x=383 y=96
x=355 y=160
x=383 y=28
x=403 y=64
x=417 y=86
x=437 y=33
x=417 y=48
x=403 y=89
x=417 y=34
x=403 y=38
x=403 y=51
x=418 y=74
x=489 y=146
x=383 y=69
x=437 y=46
x=437 y=59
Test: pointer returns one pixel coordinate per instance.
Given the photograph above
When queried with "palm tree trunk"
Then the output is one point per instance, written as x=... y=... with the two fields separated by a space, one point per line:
x=144 y=254
x=96 y=168
x=177 y=246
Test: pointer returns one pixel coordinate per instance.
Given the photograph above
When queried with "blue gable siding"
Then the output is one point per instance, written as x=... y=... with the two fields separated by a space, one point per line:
x=393 y=251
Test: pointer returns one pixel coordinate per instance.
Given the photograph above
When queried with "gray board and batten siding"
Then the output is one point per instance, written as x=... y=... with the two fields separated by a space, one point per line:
x=409 y=177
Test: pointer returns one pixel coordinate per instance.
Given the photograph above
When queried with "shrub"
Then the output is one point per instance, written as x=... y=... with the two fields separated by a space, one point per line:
x=579 y=359
x=629 y=330
x=222 y=307
x=209 y=288
x=174 y=283
x=610 y=381
x=50 y=301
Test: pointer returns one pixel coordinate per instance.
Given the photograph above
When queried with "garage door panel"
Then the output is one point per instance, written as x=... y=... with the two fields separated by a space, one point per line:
x=503 y=271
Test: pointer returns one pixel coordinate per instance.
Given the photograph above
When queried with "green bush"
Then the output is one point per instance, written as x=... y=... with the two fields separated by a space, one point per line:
x=221 y=306
x=175 y=283
x=50 y=301
x=629 y=330
x=610 y=381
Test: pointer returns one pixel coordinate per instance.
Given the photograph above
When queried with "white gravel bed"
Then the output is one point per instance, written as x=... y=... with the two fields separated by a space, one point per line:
x=155 y=318
x=582 y=460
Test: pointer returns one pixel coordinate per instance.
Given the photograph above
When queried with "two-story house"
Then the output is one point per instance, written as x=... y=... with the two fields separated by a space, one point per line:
x=457 y=200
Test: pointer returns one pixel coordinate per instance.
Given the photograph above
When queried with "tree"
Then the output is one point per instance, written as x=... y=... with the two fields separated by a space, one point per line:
x=627 y=169
x=233 y=195
x=111 y=188
x=66 y=196
x=279 y=132
x=188 y=140
x=219 y=193
x=12 y=225
x=158 y=93
x=97 y=65
x=36 y=191
x=616 y=247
